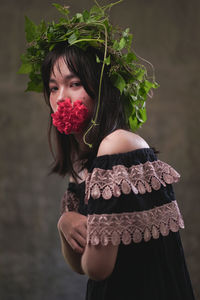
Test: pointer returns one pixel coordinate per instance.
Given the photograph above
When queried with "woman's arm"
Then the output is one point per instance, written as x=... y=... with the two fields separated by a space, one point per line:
x=98 y=261
x=72 y=228
x=71 y=257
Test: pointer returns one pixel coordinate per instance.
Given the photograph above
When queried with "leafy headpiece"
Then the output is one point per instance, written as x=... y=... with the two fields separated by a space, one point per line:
x=92 y=28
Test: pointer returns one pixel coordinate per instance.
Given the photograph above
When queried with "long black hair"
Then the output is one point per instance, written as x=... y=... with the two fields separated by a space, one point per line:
x=111 y=115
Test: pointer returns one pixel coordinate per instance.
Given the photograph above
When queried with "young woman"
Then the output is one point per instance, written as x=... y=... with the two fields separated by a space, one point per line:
x=120 y=220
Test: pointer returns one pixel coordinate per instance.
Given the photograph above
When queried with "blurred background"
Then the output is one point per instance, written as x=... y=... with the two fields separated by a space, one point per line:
x=167 y=34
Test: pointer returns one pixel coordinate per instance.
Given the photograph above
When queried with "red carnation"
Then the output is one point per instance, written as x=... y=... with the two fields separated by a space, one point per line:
x=70 y=118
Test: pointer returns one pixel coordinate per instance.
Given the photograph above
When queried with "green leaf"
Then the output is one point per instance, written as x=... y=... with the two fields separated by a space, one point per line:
x=107 y=61
x=42 y=27
x=140 y=74
x=95 y=10
x=25 y=68
x=31 y=30
x=79 y=16
x=97 y=59
x=86 y=15
x=130 y=57
x=116 y=45
x=133 y=122
x=122 y=43
x=51 y=47
x=155 y=85
x=24 y=58
x=119 y=82
x=141 y=115
x=126 y=32
x=35 y=84
x=128 y=107
x=33 y=87
x=147 y=85
x=133 y=97
x=62 y=9
x=73 y=38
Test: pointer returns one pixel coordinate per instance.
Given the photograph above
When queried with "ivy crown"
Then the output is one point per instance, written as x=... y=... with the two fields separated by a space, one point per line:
x=92 y=28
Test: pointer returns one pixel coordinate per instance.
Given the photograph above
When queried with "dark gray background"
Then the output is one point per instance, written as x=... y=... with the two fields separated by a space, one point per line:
x=167 y=34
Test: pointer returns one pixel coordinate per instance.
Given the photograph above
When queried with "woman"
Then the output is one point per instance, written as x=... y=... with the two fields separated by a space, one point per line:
x=120 y=220
x=133 y=268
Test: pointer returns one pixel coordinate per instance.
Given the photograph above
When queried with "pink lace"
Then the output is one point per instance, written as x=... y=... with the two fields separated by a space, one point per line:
x=140 y=178
x=134 y=226
x=69 y=202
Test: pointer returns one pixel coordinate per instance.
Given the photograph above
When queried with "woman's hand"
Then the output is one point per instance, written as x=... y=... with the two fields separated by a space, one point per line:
x=74 y=228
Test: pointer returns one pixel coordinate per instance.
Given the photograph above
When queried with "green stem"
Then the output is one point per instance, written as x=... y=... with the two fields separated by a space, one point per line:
x=87 y=40
x=107 y=6
x=99 y=92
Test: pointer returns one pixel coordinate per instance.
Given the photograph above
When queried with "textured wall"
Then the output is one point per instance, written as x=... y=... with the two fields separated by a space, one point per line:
x=166 y=33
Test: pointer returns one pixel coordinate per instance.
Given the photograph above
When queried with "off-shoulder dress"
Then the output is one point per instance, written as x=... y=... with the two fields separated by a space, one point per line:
x=129 y=201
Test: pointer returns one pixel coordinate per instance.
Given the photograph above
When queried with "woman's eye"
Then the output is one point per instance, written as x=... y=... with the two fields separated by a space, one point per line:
x=53 y=89
x=75 y=84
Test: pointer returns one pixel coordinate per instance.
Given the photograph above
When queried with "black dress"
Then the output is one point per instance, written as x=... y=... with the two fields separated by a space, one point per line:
x=129 y=201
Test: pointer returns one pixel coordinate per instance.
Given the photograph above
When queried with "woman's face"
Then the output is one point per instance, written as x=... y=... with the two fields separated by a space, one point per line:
x=64 y=84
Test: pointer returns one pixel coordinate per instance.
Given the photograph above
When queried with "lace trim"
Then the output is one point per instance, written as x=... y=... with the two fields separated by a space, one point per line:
x=140 y=178
x=69 y=202
x=134 y=226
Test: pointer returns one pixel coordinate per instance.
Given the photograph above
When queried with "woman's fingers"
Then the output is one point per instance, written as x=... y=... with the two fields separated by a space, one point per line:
x=82 y=231
x=75 y=237
x=74 y=228
x=81 y=240
x=76 y=247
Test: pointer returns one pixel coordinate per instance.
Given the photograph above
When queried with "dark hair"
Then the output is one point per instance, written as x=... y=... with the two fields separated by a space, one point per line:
x=111 y=115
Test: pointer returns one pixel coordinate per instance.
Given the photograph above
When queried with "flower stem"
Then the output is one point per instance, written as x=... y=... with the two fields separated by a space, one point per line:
x=99 y=92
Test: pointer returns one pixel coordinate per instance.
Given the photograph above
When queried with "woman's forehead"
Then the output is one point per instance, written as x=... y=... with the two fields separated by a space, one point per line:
x=60 y=67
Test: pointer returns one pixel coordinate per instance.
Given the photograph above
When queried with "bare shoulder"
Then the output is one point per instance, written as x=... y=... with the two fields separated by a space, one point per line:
x=121 y=141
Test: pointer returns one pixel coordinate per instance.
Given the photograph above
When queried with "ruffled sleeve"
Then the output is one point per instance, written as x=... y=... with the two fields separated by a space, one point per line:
x=130 y=198
x=69 y=201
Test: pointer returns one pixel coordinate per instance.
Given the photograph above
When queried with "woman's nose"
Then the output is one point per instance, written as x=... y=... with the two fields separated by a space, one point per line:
x=62 y=95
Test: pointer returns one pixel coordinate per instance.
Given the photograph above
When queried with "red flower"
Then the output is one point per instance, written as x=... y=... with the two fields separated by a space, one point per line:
x=70 y=118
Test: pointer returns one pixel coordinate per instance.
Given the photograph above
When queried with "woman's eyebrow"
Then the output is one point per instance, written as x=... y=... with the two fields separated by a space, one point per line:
x=66 y=78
